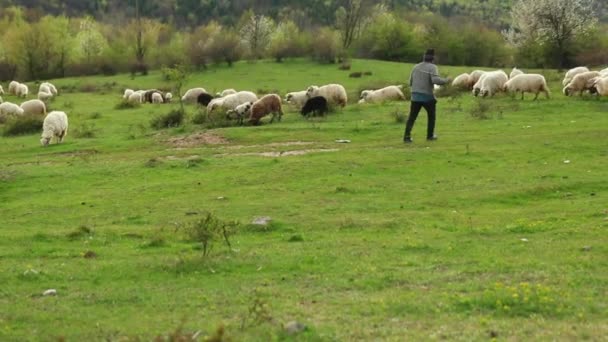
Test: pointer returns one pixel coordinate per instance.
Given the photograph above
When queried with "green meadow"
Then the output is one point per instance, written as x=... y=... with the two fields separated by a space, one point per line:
x=495 y=231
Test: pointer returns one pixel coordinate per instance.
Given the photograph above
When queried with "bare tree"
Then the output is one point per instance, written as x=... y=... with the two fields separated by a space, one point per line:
x=349 y=20
x=554 y=22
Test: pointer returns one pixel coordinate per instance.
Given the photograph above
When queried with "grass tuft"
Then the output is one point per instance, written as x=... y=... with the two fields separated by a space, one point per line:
x=174 y=118
x=23 y=125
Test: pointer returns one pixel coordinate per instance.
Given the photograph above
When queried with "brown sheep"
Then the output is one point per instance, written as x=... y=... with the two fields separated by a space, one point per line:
x=268 y=104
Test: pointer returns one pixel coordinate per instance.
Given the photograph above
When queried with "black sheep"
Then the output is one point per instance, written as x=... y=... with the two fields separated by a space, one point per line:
x=316 y=105
x=148 y=95
x=204 y=99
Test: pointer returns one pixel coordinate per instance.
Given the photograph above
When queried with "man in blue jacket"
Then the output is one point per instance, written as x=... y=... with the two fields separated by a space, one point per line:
x=422 y=80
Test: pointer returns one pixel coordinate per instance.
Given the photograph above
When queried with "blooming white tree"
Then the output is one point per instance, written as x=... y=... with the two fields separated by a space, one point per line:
x=256 y=33
x=91 y=43
x=554 y=22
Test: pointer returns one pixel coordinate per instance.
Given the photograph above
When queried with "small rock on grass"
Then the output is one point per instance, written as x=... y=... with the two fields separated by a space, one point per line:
x=50 y=292
x=261 y=221
x=294 y=327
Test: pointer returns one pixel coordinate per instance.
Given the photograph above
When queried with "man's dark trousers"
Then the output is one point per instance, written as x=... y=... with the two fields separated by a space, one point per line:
x=415 y=110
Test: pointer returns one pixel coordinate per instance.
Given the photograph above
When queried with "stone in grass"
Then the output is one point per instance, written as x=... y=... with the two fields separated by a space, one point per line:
x=50 y=292
x=294 y=327
x=261 y=221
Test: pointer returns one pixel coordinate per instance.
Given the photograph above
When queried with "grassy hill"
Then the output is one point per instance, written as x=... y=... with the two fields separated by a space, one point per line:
x=495 y=230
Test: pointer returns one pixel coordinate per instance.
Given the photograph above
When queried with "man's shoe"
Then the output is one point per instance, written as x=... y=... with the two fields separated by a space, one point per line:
x=433 y=138
x=408 y=140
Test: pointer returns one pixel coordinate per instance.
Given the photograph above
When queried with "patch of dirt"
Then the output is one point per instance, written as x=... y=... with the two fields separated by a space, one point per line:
x=198 y=139
x=77 y=153
x=288 y=143
x=275 y=154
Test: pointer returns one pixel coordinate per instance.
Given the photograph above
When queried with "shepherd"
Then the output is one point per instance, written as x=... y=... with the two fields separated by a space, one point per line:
x=422 y=80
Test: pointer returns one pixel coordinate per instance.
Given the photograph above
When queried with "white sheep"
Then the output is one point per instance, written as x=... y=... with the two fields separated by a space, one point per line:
x=192 y=94
x=462 y=81
x=168 y=97
x=333 y=93
x=475 y=76
x=33 y=107
x=493 y=82
x=136 y=97
x=580 y=82
x=601 y=86
x=44 y=88
x=127 y=93
x=385 y=94
x=42 y=96
x=226 y=92
x=9 y=109
x=157 y=98
x=515 y=72
x=528 y=83
x=296 y=98
x=573 y=72
x=603 y=72
x=231 y=101
x=55 y=125
x=12 y=87
x=51 y=87
x=22 y=90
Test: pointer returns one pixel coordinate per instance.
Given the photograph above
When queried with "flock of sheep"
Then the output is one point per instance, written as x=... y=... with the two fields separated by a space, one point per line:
x=55 y=123
x=314 y=100
x=488 y=83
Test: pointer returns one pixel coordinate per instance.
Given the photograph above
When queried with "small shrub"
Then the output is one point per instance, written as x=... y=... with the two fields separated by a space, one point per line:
x=82 y=231
x=367 y=73
x=448 y=91
x=95 y=116
x=217 y=119
x=153 y=162
x=399 y=116
x=199 y=118
x=174 y=118
x=86 y=131
x=23 y=125
x=357 y=74
x=345 y=65
x=208 y=229
x=125 y=104
x=480 y=110
x=295 y=238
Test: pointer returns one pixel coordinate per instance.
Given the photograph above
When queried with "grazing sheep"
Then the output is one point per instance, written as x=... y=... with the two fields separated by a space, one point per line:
x=296 y=98
x=268 y=104
x=226 y=92
x=573 y=72
x=334 y=93
x=168 y=97
x=231 y=101
x=316 y=105
x=603 y=73
x=515 y=72
x=33 y=107
x=462 y=81
x=580 y=83
x=136 y=97
x=10 y=109
x=148 y=95
x=51 y=87
x=528 y=83
x=44 y=88
x=192 y=94
x=127 y=93
x=157 y=98
x=493 y=82
x=43 y=96
x=475 y=76
x=204 y=99
x=55 y=125
x=601 y=86
x=240 y=112
x=12 y=87
x=385 y=94
x=22 y=90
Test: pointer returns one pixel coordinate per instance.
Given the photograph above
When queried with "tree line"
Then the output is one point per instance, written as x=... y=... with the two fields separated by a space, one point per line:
x=48 y=46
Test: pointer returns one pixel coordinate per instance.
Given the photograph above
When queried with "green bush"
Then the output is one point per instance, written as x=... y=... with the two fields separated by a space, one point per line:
x=174 y=118
x=23 y=125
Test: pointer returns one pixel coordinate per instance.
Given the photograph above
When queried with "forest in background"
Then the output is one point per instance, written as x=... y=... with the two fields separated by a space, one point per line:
x=57 y=38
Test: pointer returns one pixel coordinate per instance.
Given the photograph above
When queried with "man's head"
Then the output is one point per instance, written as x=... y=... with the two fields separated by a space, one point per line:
x=429 y=55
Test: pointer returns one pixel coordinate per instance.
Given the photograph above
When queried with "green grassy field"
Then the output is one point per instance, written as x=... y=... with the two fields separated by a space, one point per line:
x=497 y=230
